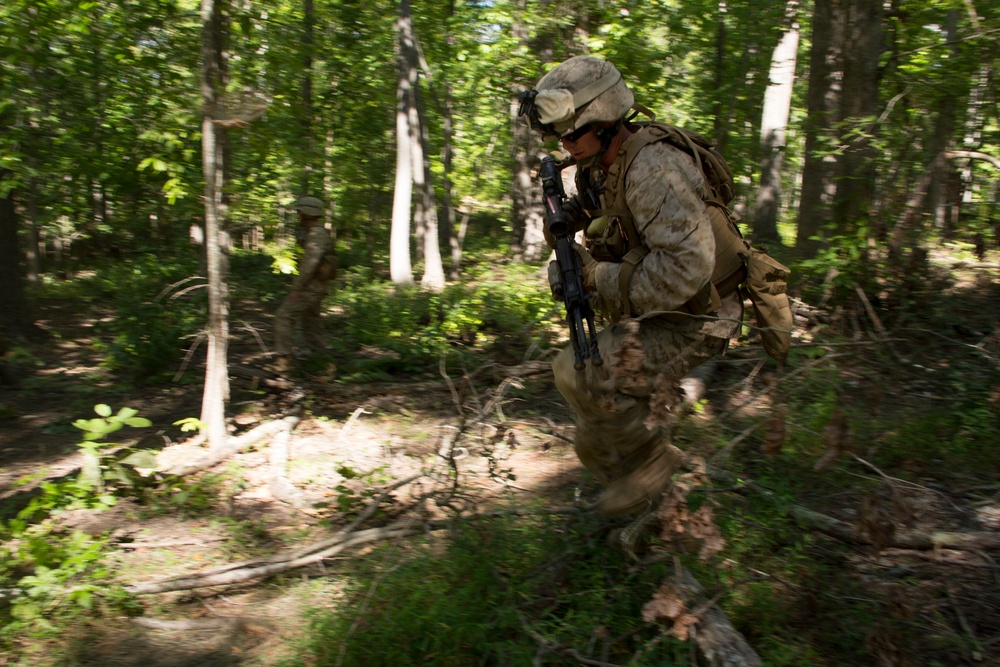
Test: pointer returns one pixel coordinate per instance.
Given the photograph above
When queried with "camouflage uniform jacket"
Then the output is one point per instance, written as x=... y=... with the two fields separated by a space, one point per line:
x=663 y=192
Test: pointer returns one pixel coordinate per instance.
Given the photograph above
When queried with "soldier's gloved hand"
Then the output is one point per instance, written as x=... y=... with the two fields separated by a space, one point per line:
x=589 y=266
x=573 y=210
x=555 y=281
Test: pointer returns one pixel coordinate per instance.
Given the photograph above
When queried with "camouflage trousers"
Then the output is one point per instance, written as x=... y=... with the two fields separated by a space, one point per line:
x=626 y=407
x=305 y=312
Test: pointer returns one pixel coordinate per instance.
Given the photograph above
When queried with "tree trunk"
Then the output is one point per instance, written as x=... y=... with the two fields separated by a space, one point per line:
x=528 y=214
x=400 y=269
x=822 y=98
x=721 y=84
x=942 y=140
x=527 y=218
x=423 y=181
x=308 y=142
x=216 y=392
x=773 y=128
x=14 y=314
x=454 y=237
x=861 y=50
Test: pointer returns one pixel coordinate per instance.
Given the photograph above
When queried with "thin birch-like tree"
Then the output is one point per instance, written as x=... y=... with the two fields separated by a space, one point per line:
x=774 y=127
x=216 y=392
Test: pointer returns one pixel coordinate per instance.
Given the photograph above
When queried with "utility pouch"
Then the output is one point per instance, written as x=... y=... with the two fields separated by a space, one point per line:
x=766 y=285
x=605 y=241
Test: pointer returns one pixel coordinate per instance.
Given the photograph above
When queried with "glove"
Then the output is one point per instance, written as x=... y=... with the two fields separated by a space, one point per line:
x=589 y=266
x=555 y=281
x=573 y=210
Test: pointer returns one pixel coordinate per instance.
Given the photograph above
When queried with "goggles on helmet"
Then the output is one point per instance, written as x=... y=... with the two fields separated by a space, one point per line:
x=552 y=111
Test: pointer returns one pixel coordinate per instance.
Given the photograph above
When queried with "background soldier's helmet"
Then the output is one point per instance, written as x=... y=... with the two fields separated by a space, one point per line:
x=310 y=206
x=580 y=91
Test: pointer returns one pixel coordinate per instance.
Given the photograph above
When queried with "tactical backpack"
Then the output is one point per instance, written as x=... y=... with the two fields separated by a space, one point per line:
x=738 y=266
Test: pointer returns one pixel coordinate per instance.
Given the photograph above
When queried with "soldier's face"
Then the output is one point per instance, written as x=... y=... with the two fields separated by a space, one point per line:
x=582 y=147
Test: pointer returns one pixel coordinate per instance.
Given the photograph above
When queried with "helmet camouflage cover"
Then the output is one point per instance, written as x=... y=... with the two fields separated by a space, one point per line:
x=309 y=206
x=577 y=92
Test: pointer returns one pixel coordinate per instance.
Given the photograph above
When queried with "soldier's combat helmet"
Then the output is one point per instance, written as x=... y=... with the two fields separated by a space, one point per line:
x=576 y=93
x=310 y=206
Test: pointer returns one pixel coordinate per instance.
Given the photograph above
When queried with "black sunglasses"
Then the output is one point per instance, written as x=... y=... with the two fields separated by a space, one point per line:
x=576 y=134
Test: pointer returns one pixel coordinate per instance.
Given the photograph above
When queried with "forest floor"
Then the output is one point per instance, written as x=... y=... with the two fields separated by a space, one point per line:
x=499 y=439
x=350 y=440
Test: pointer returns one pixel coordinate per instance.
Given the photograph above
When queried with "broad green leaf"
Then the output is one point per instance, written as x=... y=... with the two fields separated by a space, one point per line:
x=126 y=413
x=140 y=459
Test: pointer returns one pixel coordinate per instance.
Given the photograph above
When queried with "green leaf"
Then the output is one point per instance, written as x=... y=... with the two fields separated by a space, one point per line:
x=138 y=422
x=126 y=413
x=189 y=424
x=84 y=424
x=140 y=459
x=103 y=409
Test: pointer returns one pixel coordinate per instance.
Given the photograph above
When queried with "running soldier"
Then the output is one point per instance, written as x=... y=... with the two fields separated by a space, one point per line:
x=649 y=259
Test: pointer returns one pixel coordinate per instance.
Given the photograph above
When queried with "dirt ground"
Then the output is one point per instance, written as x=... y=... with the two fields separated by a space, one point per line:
x=350 y=440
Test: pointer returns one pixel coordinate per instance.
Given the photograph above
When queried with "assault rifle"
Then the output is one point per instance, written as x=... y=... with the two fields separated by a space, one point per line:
x=579 y=313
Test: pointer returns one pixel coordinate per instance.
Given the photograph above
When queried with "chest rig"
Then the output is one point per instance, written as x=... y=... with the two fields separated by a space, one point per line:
x=612 y=235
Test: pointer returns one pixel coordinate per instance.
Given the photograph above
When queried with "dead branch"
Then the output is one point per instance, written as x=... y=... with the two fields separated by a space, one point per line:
x=964 y=622
x=194 y=624
x=166 y=544
x=345 y=539
x=548 y=646
x=281 y=487
x=236 y=445
x=784 y=379
x=695 y=617
x=720 y=457
x=914 y=539
x=913 y=205
x=243 y=574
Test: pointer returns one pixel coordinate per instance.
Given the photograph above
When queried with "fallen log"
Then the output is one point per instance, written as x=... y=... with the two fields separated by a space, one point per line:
x=912 y=539
x=716 y=638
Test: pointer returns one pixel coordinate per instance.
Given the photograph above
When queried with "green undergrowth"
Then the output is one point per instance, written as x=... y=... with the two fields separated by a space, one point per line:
x=382 y=330
x=485 y=594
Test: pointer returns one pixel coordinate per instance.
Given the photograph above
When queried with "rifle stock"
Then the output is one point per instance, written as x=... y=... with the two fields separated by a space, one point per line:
x=579 y=313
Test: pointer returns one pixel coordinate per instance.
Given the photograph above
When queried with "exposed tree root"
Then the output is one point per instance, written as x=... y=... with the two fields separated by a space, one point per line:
x=236 y=445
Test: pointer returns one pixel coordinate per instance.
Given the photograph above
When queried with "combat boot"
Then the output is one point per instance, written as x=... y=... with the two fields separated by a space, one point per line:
x=641 y=488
